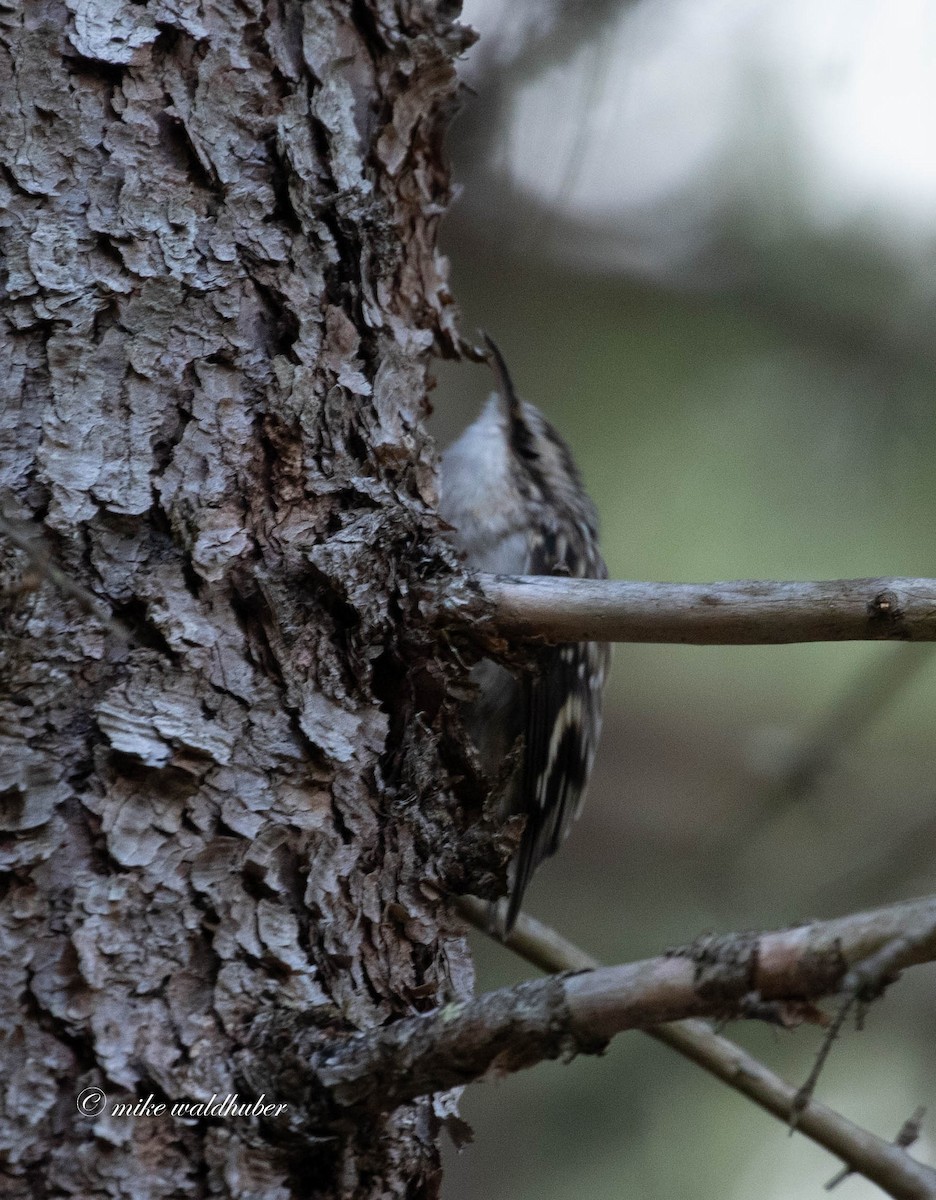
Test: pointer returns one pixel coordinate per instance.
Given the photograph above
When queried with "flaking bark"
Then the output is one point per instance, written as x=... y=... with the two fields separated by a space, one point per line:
x=218 y=224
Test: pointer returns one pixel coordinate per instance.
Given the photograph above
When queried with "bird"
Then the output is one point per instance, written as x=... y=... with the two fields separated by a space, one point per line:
x=514 y=498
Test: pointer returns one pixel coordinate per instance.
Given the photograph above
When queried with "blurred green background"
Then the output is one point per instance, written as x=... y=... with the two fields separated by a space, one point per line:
x=704 y=236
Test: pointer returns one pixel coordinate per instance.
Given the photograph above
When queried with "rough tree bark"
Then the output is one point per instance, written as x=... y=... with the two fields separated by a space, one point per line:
x=223 y=801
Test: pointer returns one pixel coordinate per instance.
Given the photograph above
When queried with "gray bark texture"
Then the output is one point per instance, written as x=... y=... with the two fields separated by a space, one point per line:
x=229 y=799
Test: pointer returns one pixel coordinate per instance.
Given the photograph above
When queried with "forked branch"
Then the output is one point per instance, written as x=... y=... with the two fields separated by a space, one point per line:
x=733 y=975
x=884 y=1163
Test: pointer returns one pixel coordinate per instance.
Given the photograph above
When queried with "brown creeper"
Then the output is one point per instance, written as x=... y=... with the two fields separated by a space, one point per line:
x=514 y=497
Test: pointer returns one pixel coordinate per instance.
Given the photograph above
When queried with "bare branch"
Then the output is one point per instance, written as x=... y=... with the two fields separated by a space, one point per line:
x=539 y=944
x=512 y=1028
x=744 y=612
x=908 y=1133
x=863 y=1152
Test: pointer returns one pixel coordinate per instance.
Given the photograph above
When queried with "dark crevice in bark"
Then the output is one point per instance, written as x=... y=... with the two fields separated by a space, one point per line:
x=279 y=323
x=94 y=71
x=181 y=152
x=79 y=1045
x=134 y=615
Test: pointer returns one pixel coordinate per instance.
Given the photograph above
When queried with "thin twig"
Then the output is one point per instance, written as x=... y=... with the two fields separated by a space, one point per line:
x=805 y=1093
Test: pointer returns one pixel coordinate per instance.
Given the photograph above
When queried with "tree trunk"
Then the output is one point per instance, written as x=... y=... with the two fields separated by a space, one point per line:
x=224 y=805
